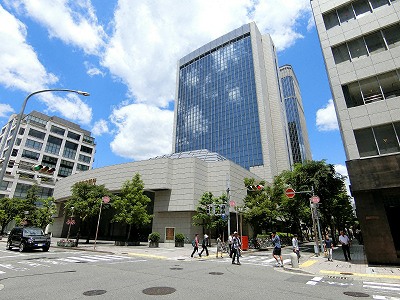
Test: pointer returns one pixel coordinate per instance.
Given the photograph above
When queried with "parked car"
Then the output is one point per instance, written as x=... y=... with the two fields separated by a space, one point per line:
x=28 y=238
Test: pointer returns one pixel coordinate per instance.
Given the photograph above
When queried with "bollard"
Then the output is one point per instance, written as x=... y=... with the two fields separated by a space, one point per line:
x=295 y=260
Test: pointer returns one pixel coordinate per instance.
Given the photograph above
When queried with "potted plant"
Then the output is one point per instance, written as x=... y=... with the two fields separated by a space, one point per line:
x=179 y=240
x=154 y=239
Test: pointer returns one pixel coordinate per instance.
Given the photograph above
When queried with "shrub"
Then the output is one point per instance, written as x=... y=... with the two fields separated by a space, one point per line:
x=179 y=237
x=154 y=237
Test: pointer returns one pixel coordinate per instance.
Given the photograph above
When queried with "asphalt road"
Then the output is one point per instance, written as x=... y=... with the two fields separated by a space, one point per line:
x=63 y=274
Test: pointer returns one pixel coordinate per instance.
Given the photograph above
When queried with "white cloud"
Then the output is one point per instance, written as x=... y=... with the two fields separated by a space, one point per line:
x=74 y=22
x=100 y=127
x=92 y=70
x=326 y=118
x=5 y=110
x=342 y=170
x=150 y=37
x=143 y=131
x=20 y=67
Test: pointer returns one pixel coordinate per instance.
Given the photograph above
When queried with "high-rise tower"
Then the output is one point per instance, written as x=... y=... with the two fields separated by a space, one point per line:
x=298 y=133
x=360 y=42
x=229 y=101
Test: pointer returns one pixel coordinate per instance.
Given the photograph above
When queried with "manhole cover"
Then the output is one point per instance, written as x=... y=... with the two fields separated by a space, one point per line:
x=94 y=292
x=346 y=273
x=176 y=268
x=159 y=290
x=356 y=294
x=181 y=259
x=216 y=273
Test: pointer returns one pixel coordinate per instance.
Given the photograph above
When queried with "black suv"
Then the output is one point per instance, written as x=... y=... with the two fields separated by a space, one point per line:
x=28 y=238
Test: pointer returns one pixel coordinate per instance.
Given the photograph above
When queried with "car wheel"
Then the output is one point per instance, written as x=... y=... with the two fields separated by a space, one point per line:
x=21 y=247
x=8 y=246
x=45 y=249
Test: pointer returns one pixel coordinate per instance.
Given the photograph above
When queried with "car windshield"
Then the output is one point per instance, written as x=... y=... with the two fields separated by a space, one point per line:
x=33 y=231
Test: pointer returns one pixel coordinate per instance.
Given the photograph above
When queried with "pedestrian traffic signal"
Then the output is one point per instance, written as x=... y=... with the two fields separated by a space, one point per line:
x=208 y=209
x=43 y=169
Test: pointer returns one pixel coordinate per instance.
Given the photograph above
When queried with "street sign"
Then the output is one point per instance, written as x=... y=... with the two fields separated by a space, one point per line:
x=314 y=199
x=106 y=199
x=70 y=221
x=232 y=203
x=290 y=193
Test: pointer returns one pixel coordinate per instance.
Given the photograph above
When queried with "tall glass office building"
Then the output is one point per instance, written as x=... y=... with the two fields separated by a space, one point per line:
x=298 y=134
x=229 y=101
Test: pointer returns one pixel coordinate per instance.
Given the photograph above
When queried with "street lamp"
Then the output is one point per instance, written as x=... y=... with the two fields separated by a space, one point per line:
x=19 y=118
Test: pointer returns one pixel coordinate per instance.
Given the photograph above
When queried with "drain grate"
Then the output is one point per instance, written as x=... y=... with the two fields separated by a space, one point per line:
x=175 y=268
x=356 y=294
x=216 y=273
x=159 y=290
x=94 y=292
x=346 y=273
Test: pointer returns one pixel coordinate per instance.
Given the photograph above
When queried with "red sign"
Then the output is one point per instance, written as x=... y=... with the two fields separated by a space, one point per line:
x=290 y=193
x=70 y=222
x=314 y=199
x=106 y=199
x=232 y=203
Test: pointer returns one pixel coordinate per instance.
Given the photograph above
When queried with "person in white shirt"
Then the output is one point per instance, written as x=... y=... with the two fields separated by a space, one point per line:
x=295 y=245
x=230 y=238
x=345 y=242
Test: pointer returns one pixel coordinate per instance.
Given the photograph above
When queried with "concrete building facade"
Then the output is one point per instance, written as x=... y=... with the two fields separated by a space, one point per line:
x=175 y=183
x=296 y=120
x=360 y=42
x=48 y=141
x=229 y=100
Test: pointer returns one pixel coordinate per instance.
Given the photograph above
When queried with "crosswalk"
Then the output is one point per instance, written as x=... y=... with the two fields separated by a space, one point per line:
x=254 y=260
x=26 y=264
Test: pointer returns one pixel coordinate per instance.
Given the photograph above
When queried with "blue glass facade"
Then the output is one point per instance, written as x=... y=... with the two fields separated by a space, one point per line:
x=217 y=105
x=297 y=142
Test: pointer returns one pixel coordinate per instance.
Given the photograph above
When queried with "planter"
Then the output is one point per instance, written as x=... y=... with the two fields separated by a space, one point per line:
x=66 y=244
x=153 y=244
x=179 y=244
x=121 y=243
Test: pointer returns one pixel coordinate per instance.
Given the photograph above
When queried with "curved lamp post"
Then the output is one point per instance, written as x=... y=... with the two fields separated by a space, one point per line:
x=19 y=118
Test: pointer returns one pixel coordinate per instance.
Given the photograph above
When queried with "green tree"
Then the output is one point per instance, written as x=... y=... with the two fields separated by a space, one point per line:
x=85 y=200
x=11 y=208
x=132 y=205
x=43 y=214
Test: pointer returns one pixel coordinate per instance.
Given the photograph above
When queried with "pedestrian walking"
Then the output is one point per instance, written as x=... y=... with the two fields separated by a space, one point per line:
x=328 y=247
x=277 y=252
x=219 y=245
x=345 y=242
x=230 y=238
x=204 y=245
x=195 y=244
x=295 y=245
x=236 y=244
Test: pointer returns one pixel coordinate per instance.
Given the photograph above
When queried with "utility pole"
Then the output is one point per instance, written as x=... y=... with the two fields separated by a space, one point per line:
x=228 y=184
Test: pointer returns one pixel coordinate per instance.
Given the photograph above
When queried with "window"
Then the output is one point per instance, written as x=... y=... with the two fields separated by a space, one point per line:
x=88 y=139
x=37 y=134
x=352 y=94
x=371 y=90
x=21 y=131
x=82 y=167
x=21 y=190
x=73 y=135
x=14 y=152
x=70 y=150
x=53 y=145
x=378 y=3
x=18 y=142
x=30 y=154
x=86 y=149
x=375 y=43
x=357 y=48
x=345 y=13
x=331 y=20
x=390 y=84
x=57 y=130
x=341 y=54
x=392 y=36
x=65 y=168
x=365 y=142
x=4 y=185
x=49 y=161
x=84 y=158
x=386 y=139
x=33 y=144
x=361 y=7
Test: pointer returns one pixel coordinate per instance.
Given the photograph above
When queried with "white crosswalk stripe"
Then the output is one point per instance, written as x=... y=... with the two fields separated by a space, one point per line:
x=382 y=286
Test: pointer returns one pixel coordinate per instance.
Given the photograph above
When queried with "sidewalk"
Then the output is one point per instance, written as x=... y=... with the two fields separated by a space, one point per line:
x=309 y=263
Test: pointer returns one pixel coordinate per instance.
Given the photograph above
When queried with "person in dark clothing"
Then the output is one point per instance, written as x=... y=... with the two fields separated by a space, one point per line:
x=204 y=245
x=195 y=245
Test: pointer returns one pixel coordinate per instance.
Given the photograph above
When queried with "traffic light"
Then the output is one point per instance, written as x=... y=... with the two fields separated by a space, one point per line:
x=43 y=169
x=260 y=187
x=208 y=209
x=254 y=188
x=222 y=209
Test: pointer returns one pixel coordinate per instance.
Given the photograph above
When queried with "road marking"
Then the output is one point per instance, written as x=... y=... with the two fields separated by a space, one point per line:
x=148 y=255
x=382 y=286
x=308 y=263
x=314 y=281
x=363 y=274
x=378 y=297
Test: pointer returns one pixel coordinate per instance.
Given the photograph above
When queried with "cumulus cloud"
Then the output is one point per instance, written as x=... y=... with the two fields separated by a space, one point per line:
x=326 y=118
x=100 y=127
x=143 y=131
x=5 y=110
x=92 y=70
x=74 y=22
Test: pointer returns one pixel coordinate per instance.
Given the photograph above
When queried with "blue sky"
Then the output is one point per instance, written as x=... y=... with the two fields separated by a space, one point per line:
x=125 y=53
